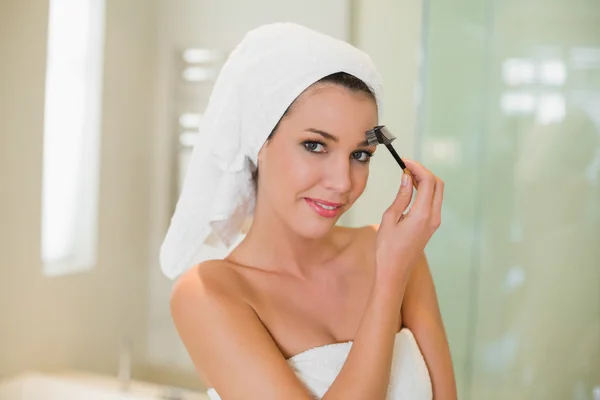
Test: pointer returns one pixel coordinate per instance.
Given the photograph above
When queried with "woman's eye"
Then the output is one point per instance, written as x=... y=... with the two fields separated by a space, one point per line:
x=362 y=156
x=314 y=147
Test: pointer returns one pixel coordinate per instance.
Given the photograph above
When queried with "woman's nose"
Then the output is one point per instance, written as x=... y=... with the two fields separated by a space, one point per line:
x=338 y=175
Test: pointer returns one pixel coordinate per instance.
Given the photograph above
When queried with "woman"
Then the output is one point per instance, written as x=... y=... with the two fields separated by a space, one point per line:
x=302 y=308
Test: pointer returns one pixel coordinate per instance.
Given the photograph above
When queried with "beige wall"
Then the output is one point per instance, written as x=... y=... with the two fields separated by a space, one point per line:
x=389 y=31
x=74 y=321
x=22 y=49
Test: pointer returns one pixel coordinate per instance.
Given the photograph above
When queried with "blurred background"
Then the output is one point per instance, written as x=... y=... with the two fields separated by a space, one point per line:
x=101 y=101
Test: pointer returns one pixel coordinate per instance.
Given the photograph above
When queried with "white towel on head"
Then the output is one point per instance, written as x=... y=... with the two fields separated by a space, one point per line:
x=264 y=74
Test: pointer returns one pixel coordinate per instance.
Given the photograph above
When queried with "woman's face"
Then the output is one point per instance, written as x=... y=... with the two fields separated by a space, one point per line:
x=316 y=165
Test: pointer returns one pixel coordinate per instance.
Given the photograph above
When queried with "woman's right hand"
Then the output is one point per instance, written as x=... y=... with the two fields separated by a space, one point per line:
x=402 y=236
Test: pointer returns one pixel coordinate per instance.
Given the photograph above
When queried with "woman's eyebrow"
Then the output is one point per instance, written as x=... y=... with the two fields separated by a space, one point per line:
x=333 y=138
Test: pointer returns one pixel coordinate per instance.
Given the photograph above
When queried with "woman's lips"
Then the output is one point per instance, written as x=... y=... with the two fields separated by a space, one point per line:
x=324 y=208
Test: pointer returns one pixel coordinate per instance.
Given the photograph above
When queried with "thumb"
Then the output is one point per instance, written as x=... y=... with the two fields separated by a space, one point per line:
x=402 y=200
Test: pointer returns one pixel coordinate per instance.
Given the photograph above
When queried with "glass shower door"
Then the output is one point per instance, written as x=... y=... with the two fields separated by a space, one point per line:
x=510 y=119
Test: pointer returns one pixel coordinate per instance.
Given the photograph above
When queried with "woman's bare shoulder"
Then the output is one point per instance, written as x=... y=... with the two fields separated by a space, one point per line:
x=363 y=235
x=209 y=281
x=223 y=335
x=372 y=227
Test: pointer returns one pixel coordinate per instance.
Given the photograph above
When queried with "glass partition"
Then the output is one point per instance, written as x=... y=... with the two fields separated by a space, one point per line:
x=510 y=119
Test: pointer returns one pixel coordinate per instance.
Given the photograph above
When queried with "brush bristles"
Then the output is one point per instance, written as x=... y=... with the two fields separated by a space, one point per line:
x=386 y=136
x=379 y=135
x=372 y=138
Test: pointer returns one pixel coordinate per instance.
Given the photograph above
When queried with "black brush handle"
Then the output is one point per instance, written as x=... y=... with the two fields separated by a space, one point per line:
x=401 y=164
x=396 y=156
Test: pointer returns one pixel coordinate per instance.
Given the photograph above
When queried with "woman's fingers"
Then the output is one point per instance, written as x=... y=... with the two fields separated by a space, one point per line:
x=425 y=188
x=436 y=209
x=401 y=202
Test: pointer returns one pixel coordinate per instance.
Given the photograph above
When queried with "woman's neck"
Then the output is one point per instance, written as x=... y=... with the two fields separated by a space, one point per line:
x=271 y=244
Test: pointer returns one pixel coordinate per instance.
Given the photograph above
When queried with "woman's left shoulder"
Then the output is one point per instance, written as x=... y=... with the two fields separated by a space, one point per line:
x=360 y=238
x=366 y=232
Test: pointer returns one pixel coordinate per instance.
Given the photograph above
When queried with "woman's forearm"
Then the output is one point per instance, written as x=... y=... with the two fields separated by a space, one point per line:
x=432 y=341
x=366 y=372
x=421 y=314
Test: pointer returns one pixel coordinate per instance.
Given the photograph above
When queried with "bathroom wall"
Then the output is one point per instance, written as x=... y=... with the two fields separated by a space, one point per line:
x=22 y=51
x=390 y=32
x=75 y=321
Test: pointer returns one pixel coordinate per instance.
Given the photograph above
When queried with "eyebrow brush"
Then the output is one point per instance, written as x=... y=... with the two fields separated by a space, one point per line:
x=382 y=135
